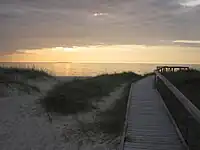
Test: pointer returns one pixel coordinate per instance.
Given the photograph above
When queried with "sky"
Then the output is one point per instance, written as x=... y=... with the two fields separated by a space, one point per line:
x=100 y=30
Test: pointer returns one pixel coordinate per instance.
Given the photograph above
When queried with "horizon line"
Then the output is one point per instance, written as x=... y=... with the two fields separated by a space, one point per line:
x=184 y=63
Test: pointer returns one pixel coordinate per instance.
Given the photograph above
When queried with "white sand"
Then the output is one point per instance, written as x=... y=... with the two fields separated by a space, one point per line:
x=22 y=129
x=25 y=126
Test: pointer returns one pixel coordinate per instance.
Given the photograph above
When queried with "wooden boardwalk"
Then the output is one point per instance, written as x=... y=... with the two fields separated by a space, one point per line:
x=148 y=125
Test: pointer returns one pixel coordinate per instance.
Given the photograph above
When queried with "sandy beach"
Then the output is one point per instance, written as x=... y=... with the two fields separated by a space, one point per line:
x=25 y=125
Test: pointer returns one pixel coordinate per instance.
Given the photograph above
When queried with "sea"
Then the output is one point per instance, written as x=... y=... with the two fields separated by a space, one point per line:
x=91 y=69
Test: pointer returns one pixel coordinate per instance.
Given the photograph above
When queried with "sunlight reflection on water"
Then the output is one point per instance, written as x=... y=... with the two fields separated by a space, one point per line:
x=89 y=69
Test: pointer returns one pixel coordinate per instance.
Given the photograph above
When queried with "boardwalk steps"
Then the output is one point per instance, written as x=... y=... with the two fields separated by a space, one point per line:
x=148 y=125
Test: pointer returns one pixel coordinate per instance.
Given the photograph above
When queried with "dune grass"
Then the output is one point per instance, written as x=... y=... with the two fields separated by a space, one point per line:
x=29 y=73
x=78 y=95
x=15 y=78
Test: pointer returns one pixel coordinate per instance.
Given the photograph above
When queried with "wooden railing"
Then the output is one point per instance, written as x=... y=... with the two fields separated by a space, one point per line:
x=185 y=114
x=171 y=68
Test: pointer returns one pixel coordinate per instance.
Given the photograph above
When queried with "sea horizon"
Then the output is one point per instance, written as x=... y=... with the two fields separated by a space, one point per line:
x=167 y=63
x=91 y=69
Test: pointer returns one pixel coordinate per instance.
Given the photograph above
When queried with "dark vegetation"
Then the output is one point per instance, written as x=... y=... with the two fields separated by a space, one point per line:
x=188 y=83
x=78 y=95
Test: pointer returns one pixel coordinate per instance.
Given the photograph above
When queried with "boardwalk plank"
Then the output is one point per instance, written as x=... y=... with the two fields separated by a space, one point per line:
x=149 y=127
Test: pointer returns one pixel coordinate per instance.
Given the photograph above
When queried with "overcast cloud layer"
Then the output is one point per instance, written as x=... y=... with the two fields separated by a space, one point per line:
x=27 y=24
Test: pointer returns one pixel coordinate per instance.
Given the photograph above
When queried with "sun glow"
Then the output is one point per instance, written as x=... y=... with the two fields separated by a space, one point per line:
x=66 y=49
x=111 y=53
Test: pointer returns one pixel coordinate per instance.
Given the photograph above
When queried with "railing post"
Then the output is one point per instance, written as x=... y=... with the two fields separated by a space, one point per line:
x=155 y=80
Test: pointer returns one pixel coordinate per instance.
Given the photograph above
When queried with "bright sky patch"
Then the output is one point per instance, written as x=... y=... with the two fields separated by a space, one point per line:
x=187 y=42
x=190 y=3
x=100 y=14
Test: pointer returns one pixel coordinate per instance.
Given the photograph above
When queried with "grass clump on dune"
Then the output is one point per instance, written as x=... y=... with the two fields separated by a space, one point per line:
x=79 y=95
x=28 y=73
x=14 y=80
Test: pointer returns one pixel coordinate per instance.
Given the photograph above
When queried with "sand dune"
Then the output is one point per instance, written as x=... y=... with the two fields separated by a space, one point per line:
x=24 y=124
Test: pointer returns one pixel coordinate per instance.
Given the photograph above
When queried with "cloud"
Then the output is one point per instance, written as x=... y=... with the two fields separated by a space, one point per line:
x=190 y=3
x=187 y=43
x=27 y=24
x=100 y=14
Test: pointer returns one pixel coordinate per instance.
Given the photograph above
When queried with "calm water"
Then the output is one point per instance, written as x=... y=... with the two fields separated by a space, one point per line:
x=90 y=69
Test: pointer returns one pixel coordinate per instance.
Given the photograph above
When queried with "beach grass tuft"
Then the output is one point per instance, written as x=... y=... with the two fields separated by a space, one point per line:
x=29 y=73
x=16 y=79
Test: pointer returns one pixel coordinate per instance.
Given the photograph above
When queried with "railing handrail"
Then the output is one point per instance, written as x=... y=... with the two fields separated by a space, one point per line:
x=191 y=108
x=172 y=67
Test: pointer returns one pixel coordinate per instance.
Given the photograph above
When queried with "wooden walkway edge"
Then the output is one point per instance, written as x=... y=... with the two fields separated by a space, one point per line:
x=148 y=126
